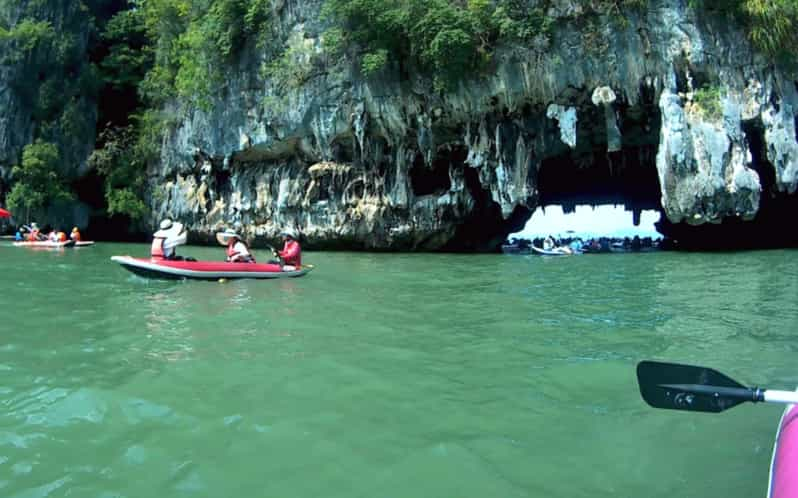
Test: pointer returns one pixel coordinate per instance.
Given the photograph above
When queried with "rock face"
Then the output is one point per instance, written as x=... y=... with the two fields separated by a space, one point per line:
x=378 y=164
x=44 y=91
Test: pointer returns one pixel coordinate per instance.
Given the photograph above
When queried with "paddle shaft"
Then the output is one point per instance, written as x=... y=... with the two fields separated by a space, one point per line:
x=741 y=393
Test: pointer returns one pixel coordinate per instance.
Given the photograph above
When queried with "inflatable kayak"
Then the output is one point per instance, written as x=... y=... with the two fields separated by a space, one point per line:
x=205 y=270
x=45 y=244
x=784 y=464
x=559 y=251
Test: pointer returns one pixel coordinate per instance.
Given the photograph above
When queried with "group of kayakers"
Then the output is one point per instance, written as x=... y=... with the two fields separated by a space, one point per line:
x=172 y=234
x=32 y=233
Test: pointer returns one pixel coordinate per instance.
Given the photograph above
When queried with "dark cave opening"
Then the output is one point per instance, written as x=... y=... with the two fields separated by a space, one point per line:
x=434 y=179
x=628 y=177
x=485 y=229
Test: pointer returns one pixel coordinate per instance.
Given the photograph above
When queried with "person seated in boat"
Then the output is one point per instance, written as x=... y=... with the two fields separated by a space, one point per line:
x=548 y=244
x=292 y=252
x=52 y=236
x=237 y=249
x=33 y=236
x=20 y=235
x=75 y=235
x=166 y=240
x=61 y=237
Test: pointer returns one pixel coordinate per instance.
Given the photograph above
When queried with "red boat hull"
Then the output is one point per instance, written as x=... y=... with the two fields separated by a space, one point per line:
x=204 y=270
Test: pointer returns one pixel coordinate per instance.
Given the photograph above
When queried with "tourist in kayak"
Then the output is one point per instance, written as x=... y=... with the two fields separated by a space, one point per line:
x=75 y=235
x=291 y=253
x=33 y=236
x=20 y=235
x=166 y=240
x=237 y=249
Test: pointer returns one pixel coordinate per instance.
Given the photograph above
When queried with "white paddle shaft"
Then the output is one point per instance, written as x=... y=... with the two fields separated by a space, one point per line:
x=781 y=396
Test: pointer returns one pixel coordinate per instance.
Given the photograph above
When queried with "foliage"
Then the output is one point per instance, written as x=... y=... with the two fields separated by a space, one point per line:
x=294 y=66
x=194 y=39
x=130 y=55
x=439 y=36
x=770 y=23
x=28 y=34
x=38 y=183
x=122 y=162
x=708 y=101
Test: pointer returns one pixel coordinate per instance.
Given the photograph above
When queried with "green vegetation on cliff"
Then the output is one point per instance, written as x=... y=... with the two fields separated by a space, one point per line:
x=37 y=182
x=770 y=24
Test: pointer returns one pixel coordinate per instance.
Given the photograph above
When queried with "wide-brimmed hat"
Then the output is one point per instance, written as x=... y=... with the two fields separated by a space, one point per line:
x=224 y=237
x=168 y=228
x=288 y=232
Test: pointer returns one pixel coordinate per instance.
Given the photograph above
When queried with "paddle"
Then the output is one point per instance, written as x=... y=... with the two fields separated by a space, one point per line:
x=698 y=389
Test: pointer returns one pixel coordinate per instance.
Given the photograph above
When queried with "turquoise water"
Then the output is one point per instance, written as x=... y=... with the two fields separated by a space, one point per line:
x=387 y=375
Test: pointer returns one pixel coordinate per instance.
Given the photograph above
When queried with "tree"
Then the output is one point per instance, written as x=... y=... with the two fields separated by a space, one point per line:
x=37 y=182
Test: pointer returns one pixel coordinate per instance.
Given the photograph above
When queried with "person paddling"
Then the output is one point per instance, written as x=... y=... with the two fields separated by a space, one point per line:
x=165 y=240
x=292 y=252
x=237 y=249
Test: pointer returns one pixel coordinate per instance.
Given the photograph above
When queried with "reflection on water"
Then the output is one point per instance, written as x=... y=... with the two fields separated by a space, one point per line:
x=397 y=375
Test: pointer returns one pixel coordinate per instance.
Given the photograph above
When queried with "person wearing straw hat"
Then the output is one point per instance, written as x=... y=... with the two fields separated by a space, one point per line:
x=292 y=252
x=165 y=240
x=237 y=249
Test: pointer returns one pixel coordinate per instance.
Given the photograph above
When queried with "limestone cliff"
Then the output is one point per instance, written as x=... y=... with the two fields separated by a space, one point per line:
x=388 y=163
x=46 y=89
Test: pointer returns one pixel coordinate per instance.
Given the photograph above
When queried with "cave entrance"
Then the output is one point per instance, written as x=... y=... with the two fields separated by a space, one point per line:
x=591 y=191
x=588 y=222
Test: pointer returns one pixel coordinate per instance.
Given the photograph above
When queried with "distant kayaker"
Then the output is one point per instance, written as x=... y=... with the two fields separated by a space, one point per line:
x=75 y=235
x=61 y=237
x=237 y=249
x=292 y=252
x=20 y=235
x=548 y=244
x=165 y=240
x=33 y=236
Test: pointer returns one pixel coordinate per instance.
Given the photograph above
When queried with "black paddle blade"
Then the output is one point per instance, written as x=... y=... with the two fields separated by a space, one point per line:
x=672 y=387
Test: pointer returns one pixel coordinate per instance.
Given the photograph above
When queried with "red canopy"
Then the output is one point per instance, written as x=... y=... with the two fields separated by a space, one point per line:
x=4 y=213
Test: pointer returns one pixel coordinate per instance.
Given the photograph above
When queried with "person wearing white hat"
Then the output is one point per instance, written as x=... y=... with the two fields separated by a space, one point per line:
x=237 y=249
x=165 y=240
x=292 y=252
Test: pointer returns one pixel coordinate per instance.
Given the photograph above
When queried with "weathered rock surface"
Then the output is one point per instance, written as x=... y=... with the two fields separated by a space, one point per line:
x=375 y=163
x=41 y=97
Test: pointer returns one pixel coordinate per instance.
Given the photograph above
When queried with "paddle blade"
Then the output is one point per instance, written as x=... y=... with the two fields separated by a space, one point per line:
x=661 y=387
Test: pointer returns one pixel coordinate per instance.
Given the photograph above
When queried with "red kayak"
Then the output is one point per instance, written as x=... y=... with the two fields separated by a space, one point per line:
x=784 y=466
x=205 y=270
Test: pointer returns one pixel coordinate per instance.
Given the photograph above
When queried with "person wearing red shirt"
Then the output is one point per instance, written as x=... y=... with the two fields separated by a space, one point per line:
x=291 y=253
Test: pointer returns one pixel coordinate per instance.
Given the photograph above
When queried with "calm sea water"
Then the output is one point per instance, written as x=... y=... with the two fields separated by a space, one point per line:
x=387 y=376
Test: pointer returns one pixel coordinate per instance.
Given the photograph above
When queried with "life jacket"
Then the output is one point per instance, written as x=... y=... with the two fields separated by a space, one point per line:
x=33 y=236
x=292 y=253
x=75 y=236
x=156 y=250
x=231 y=251
x=62 y=237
